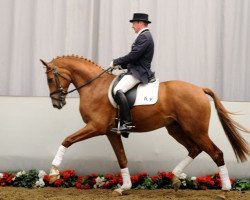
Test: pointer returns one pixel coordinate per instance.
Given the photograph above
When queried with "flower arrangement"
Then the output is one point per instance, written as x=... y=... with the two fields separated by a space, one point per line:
x=68 y=178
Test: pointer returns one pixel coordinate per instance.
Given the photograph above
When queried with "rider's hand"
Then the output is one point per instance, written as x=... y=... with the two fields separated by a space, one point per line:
x=118 y=67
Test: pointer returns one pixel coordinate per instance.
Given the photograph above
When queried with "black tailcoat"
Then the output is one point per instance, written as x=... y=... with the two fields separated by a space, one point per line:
x=138 y=61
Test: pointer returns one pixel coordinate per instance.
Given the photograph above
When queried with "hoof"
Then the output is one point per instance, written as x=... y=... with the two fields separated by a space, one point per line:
x=222 y=195
x=176 y=183
x=119 y=192
x=53 y=178
x=116 y=193
x=54 y=174
x=176 y=186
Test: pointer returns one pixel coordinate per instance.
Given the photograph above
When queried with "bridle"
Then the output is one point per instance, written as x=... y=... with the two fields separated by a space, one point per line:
x=61 y=91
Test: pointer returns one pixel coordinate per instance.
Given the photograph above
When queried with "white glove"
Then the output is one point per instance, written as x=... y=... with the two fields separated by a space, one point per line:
x=112 y=63
x=118 y=67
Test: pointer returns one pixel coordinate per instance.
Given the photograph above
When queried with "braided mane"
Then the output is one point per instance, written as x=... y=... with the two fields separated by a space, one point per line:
x=75 y=57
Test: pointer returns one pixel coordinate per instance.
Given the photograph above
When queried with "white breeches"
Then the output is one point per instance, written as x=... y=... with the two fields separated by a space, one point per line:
x=126 y=83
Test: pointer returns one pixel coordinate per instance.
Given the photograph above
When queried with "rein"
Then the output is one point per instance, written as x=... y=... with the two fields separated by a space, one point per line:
x=90 y=81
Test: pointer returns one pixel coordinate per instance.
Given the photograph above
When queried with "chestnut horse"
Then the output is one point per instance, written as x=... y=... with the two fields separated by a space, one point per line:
x=183 y=108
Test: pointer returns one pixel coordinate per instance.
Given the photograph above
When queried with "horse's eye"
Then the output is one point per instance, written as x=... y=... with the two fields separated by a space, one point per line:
x=50 y=80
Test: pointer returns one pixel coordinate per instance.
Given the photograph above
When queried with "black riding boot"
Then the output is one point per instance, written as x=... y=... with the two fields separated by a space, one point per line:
x=121 y=100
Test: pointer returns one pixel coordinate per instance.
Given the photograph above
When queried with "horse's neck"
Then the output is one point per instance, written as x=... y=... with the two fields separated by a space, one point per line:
x=82 y=71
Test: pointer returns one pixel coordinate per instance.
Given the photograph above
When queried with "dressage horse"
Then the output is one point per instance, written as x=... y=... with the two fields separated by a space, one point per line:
x=183 y=108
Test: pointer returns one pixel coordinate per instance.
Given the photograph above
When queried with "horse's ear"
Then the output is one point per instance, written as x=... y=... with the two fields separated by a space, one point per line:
x=44 y=63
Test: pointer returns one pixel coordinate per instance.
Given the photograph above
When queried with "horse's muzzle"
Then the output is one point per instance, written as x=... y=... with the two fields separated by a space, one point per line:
x=58 y=104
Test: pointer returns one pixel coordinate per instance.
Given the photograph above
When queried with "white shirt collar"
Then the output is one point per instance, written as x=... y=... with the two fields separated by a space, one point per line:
x=146 y=28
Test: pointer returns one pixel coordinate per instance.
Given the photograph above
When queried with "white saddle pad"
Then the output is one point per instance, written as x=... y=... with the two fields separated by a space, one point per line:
x=147 y=94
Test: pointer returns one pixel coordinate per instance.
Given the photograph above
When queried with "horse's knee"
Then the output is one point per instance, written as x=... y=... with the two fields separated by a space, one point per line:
x=67 y=142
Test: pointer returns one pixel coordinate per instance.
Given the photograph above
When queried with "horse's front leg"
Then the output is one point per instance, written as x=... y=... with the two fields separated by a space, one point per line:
x=118 y=148
x=87 y=132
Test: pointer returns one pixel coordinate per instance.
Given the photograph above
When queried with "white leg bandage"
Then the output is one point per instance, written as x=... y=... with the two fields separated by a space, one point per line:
x=59 y=156
x=184 y=163
x=226 y=183
x=126 y=179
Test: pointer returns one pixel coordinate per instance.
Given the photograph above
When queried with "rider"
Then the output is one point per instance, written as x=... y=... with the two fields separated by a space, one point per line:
x=137 y=63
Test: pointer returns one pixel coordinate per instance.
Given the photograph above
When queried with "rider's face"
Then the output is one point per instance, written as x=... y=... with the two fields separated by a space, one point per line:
x=136 y=26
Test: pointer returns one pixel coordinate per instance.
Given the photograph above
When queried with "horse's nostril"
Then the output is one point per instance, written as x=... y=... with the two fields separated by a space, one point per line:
x=57 y=106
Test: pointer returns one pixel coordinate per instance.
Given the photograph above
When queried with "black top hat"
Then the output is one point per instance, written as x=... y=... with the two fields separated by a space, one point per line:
x=140 y=17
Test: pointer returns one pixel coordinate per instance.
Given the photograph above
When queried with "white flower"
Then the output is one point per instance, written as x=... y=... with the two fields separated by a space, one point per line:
x=183 y=176
x=40 y=183
x=184 y=183
x=1 y=175
x=41 y=174
x=100 y=181
x=18 y=174
x=193 y=178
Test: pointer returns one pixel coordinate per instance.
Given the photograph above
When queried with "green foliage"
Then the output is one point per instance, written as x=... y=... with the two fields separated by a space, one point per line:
x=26 y=180
x=241 y=184
x=147 y=184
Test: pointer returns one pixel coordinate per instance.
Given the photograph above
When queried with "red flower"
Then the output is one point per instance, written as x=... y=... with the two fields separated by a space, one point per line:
x=5 y=175
x=66 y=175
x=86 y=187
x=168 y=175
x=106 y=185
x=134 y=179
x=93 y=181
x=112 y=182
x=78 y=185
x=142 y=175
x=119 y=180
x=58 y=182
x=154 y=178
x=46 y=178
x=110 y=176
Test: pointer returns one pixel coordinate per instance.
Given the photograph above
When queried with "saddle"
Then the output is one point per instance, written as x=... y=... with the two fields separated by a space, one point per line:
x=134 y=95
x=140 y=94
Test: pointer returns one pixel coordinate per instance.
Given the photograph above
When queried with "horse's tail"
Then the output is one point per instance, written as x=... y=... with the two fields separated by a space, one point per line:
x=231 y=128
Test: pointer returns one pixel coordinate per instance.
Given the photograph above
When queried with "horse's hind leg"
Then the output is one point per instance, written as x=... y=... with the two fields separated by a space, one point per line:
x=180 y=136
x=216 y=154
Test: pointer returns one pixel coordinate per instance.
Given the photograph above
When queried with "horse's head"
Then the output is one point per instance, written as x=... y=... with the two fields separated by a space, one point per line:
x=58 y=82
